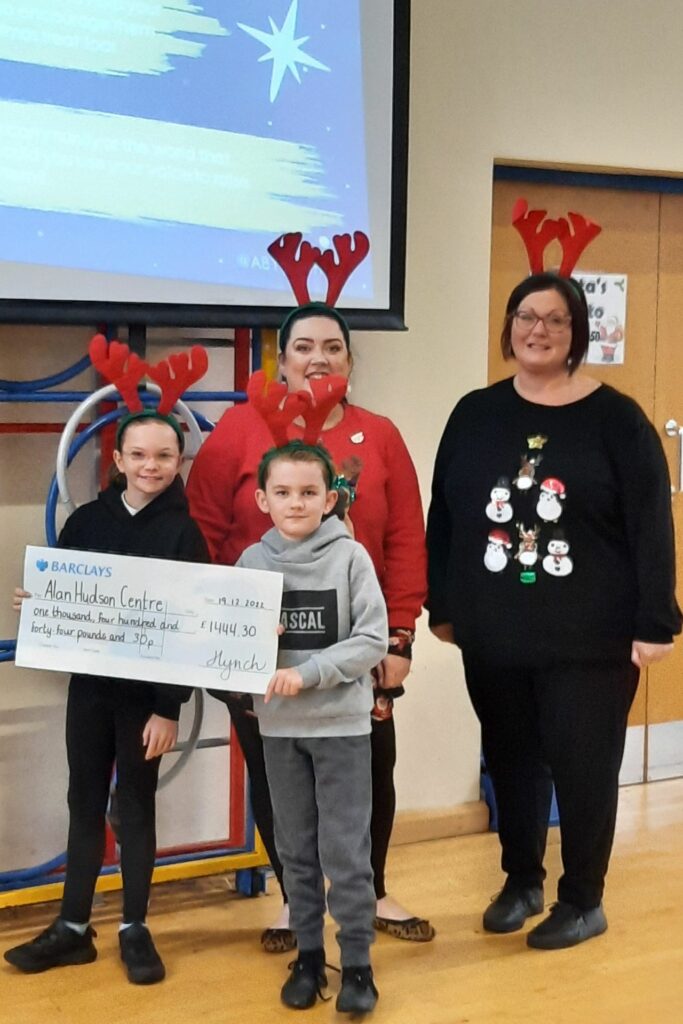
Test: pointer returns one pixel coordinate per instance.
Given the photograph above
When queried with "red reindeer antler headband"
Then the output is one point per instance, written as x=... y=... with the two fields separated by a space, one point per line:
x=297 y=258
x=124 y=369
x=175 y=375
x=537 y=232
x=279 y=408
x=121 y=367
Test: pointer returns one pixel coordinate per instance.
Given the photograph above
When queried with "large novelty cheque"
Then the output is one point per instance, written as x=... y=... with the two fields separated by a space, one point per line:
x=149 y=619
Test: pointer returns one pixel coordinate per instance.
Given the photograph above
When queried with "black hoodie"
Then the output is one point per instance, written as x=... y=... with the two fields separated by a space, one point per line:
x=162 y=529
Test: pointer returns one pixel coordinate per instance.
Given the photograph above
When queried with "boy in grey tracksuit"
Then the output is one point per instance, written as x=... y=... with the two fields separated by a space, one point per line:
x=315 y=719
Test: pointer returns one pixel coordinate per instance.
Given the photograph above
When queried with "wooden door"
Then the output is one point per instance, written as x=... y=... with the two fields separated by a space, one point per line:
x=632 y=242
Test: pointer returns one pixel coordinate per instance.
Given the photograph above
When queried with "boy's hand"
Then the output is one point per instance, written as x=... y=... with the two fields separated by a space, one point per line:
x=286 y=682
x=17 y=597
x=159 y=736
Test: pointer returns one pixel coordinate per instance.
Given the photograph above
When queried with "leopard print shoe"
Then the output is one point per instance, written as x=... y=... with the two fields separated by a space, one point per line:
x=412 y=929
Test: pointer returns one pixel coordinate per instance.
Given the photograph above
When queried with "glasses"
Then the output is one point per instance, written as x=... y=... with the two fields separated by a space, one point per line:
x=554 y=323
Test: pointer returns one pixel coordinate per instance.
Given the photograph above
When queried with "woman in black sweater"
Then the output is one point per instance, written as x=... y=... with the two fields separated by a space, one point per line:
x=120 y=721
x=551 y=565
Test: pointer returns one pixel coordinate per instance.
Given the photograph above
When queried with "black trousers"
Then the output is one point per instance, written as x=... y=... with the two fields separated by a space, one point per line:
x=564 y=723
x=383 y=748
x=104 y=723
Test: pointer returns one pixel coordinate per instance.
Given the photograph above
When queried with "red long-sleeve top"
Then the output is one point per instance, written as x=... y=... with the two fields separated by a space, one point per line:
x=386 y=515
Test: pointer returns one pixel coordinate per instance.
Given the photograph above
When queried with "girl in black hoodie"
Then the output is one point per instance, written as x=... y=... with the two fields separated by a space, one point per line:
x=143 y=512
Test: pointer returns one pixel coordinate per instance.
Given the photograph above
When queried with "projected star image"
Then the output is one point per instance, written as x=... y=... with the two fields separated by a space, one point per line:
x=283 y=49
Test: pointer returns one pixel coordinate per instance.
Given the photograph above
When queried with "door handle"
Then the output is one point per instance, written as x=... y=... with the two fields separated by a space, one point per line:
x=672 y=429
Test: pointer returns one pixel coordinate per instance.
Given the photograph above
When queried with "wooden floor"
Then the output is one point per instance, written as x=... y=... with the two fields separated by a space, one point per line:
x=218 y=975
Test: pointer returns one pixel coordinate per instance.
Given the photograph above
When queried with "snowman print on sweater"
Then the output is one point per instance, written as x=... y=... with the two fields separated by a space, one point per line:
x=557 y=562
x=499 y=509
x=550 y=498
x=519 y=503
x=497 y=554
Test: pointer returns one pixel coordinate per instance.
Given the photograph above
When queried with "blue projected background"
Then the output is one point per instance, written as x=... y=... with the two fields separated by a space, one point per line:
x=152 y=151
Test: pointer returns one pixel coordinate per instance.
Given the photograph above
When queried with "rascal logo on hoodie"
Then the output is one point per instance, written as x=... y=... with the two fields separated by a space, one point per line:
x=310 y=619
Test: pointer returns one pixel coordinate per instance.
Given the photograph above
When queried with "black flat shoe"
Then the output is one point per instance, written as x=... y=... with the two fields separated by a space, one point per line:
x=567 y=925
x=511 y=907
x=306 y=980
x=358 y=993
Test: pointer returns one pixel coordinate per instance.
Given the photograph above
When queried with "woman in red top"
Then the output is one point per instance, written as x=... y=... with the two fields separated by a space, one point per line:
x=386 y=517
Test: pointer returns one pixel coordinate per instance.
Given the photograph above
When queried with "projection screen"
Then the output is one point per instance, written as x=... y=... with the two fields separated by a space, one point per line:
x=152 y=151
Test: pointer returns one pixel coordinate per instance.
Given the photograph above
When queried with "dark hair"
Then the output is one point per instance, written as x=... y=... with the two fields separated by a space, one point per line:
x=114 y=474
x=145 y=415
x=572 y=292
x=297 y=451
x=313 y=309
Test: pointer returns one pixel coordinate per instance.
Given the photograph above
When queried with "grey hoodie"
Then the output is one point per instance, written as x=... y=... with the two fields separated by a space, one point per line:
x=336 y=631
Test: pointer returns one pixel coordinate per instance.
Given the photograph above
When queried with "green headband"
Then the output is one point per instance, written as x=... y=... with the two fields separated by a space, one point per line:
x=150 y=414
x=321 y=454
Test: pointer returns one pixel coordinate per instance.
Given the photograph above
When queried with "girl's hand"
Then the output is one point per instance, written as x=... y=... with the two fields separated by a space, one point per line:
x=17 y=597
x=644 y=654
x=159 y=736
x=391 y=671
x=286 y=682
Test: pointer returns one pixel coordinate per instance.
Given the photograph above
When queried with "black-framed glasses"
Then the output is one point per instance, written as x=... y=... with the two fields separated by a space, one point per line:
x=554 y=323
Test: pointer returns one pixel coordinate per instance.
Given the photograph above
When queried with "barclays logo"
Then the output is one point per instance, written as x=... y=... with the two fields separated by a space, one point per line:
x=74 y=568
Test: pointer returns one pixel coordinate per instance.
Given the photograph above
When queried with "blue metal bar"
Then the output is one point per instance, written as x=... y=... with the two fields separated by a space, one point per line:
x=17 y=880
x=39 y=871
x=46 y=382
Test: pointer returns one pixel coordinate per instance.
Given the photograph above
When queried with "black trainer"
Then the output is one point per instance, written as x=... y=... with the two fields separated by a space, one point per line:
x=358 y=993
x=567 y=925
x=57 y=946
x=143 y=964
x=511 y=907
x=306 y=980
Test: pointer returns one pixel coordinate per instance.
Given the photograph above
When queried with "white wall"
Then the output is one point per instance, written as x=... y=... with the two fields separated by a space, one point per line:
x=598 y=84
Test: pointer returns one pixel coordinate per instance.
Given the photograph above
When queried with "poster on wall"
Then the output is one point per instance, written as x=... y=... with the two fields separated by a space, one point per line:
x=606 y=295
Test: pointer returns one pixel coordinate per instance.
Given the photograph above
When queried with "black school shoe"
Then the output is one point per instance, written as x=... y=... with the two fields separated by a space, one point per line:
x=567 y=925
x=358 y=993
x=306 y=980
x=144 y=966
x=57 y=946
x=511 y=907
